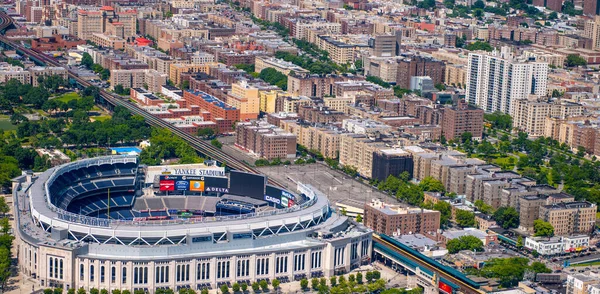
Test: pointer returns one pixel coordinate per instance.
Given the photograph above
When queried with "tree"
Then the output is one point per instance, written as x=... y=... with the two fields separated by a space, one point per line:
x=575 y=60
x=465 y=218
x=482 y=207
x=103 y=291
x=509 y=271
x=4 y=225
x=274 y=77
x=105 y=74
x=445 y=210
x=430 y=184
x=206 y=133
x=333 y=281
x=275 y=284
x=87 y=60
x=255 y=287
x=244 y=287
x=4 y=208
x=479 y=45
x=359 y=218
x=466 y=242
x=539 y=268
x=359 y=278
x=264 y=285
x=542 y=228
x=235 y=287
x=216 y=143
x=369 y=276
x=314 y=283
x=304 y=284
x=520 y=242
x=224 y=289
x=478 y=4
x=378 y=81
x=81 y=291
x=553 y=15
x=48 y=291
x=507 y=217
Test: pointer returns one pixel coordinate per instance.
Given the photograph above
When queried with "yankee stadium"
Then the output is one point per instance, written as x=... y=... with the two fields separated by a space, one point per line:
x=112 y=223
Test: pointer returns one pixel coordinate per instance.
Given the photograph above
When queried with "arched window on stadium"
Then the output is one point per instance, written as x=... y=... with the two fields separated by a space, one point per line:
x=124 y=275
x=113 y=275
x=135 y=275
x=243 y=268
x=338 y=256
x=182 y=272
x=51 y=267
x=91 y=273
x=35 y=260
x=262 y=266
x=299 y=261
x=81 y=272
x=60 y=271
x=223 y=269
x=101 y=274
x=56 y=268
x=364 y=248
x=281 y=264
x=203 y=272
x=162 y=274
x=145 y=275
x=354 y=251
x=315 y=259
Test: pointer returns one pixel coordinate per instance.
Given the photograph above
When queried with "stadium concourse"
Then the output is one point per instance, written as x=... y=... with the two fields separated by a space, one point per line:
x=111 y=223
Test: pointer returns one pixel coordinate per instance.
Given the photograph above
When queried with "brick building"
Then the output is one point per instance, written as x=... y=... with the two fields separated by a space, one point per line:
x=394 y=220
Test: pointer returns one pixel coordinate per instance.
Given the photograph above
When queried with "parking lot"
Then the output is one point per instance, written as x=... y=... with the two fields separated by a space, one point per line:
x=335 y=184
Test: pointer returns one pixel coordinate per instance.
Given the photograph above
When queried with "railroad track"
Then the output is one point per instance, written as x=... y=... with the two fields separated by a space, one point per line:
x=196 y=143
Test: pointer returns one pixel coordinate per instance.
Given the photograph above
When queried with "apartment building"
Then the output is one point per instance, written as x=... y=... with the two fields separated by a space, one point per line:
x=268 y=100
x=282 y=66
x=530 y=114
x=222 y=114
x=487 y=182
x=495 y=80
x=108 y=41
x=462 y=118
x=418 y=66
x=449 y=167
x=324 y=139
x=301 y=29
x=570 y=218
x=394 y=220
x=138 y=78
x=36 y=72
x=245 y=97
x=339 y=51
x=106 y=20
x=583 y=283
x=9 y=72
x=265 y=140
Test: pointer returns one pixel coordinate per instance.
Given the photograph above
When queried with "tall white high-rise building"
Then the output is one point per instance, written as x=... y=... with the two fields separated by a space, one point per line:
x=496 y=79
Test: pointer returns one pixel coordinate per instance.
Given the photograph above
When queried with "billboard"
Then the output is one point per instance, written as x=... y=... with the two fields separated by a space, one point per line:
x=272 y=199
x=167 y=185
x=213 y=171
x=246 y=184
x=284 y=201
x=197 y=186
x=196 y=183
x=182 y=185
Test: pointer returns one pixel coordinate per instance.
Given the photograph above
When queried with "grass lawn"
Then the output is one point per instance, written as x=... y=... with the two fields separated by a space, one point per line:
x=5 y=123
x=100 y=117
x=68 y=97
x=505 y=161
x=587 y=264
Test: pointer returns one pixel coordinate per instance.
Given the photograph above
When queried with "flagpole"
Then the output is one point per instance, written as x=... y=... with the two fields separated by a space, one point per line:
x=108 y=214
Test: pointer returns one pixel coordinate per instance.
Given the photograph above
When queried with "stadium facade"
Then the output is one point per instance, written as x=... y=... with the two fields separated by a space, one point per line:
x=104 y=223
